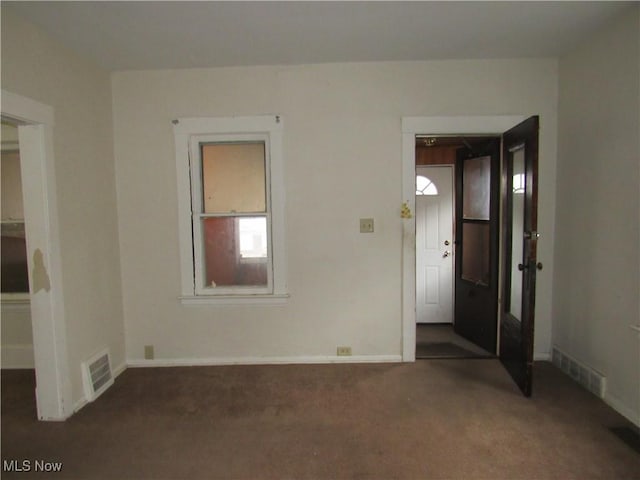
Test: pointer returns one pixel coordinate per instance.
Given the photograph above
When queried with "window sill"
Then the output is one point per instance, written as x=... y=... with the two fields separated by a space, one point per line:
x=16 y=298
x=275 y=299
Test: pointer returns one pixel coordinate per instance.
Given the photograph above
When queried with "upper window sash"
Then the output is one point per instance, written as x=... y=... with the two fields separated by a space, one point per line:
x=195 y=154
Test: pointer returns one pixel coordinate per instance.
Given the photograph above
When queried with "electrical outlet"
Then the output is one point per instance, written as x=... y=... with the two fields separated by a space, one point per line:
x=366 y=225
x=148 y=352
x=344 y=351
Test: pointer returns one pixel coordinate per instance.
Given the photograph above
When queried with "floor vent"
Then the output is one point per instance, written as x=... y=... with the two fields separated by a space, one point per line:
x=97 y=375
x=590 y=379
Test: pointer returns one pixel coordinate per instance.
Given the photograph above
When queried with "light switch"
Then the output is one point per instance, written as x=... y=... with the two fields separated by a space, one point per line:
x=366 y=225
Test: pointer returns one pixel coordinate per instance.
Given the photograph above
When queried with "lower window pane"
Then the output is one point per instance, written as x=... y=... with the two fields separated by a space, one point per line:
x=235 y=251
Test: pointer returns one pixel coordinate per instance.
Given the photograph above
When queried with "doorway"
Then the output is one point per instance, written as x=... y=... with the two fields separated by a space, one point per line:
x=17 y=337
x=438 y=334
x=35 y=137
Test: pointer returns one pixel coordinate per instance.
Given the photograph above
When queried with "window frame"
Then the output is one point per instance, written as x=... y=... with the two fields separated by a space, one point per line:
x=189 y=134
x=196 y=145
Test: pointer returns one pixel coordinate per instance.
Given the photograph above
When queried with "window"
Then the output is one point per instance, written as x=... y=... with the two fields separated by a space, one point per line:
x=231 y=209
x=424 y=186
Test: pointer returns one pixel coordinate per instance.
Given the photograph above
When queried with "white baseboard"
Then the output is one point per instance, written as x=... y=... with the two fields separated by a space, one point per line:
x=17 y=356
x=79 y=404
x=625 y=411
x=117 y=371
x=567 y=363
x=213 y=361
x=542 y=357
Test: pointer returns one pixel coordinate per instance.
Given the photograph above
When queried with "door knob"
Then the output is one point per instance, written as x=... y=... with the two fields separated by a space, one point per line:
x=446 y=242
x=446 y=254
x=522 y=267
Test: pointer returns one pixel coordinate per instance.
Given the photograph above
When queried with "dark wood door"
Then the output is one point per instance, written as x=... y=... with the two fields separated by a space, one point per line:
x=520 y=239
x=477 y=239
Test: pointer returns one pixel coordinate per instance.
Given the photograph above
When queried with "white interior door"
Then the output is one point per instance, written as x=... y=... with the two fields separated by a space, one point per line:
x=434 y=244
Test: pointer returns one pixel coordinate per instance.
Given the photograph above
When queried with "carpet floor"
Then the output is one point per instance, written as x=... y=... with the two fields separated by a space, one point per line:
x=436 y=340
x=433 y=419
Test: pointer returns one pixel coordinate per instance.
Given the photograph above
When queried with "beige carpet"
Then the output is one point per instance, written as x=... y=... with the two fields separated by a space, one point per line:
x=440 y=341
x=431 y=419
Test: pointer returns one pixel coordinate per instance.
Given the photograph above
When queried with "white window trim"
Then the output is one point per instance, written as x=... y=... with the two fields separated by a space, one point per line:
x=13 y=298
x=266 y=126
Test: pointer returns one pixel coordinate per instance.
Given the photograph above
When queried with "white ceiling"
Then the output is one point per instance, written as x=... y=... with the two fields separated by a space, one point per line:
x=124 y=35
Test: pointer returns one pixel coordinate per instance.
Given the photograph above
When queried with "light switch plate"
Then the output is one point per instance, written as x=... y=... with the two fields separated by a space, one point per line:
x=366 y=225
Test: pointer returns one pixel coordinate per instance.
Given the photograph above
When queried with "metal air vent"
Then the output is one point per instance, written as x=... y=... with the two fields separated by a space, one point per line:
x=97 y=375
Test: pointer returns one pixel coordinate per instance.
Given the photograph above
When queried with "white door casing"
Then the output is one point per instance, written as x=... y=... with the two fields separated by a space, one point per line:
x=35 y=131
x=434 y=247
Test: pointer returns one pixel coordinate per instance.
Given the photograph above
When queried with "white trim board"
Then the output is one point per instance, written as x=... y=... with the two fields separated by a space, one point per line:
x=412 y=126
x=220 y=361
x=615 y=403
x=25 y=109
x=542 y=357
x=461 y=124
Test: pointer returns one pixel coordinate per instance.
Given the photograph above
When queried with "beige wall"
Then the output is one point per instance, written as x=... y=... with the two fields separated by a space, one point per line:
x=17 y=338
x=36 y=66
x=9 y=133
x=342 y=147
x=597 y=258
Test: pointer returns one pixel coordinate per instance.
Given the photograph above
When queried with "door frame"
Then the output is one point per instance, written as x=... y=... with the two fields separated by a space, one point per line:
x=439 y=125
x=35 y=130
